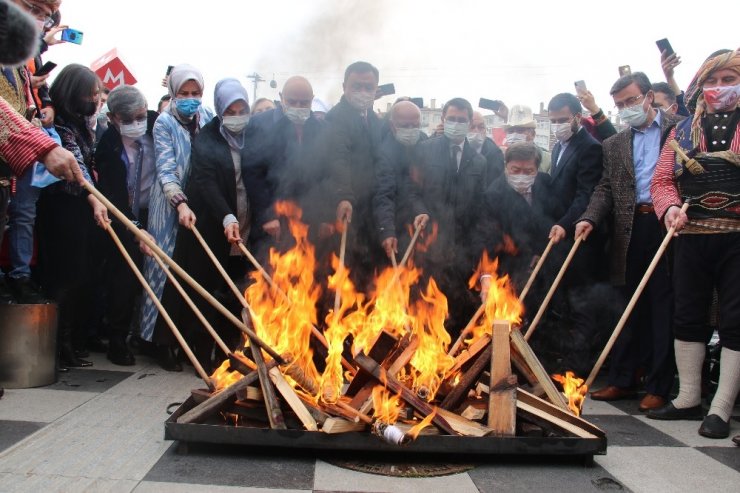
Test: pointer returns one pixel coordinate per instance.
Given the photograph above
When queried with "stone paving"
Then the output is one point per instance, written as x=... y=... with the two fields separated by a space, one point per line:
x=101 y=429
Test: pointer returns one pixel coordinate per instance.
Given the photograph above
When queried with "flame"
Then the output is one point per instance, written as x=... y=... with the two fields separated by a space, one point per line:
x=502 y=302
x=386 y=407
x=416 y=429
x=573 y=389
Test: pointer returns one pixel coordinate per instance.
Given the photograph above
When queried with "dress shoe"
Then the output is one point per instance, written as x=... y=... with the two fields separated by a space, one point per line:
x=96 y=345
x=671 y=413
x=736 y=440
x=714 y=427
x=6 y=295
x=119 y=353
x=167 y=359
x=26 y=291
x=612 y=393
x=651 y=401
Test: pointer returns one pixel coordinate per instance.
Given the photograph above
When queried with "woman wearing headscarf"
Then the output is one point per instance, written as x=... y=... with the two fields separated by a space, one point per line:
x=173 y=131
x=218 y=198
x=707 y=252
x=64 y=221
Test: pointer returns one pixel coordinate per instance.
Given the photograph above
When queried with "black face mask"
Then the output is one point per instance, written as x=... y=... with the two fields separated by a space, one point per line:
x=87 y=108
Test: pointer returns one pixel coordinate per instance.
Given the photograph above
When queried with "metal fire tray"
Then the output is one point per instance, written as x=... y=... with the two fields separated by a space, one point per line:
x=366 y=442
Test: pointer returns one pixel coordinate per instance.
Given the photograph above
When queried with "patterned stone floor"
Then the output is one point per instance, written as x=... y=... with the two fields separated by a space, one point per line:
x=101 y=429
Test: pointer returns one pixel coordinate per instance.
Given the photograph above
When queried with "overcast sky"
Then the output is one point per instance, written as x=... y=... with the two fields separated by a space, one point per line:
x=516 y=51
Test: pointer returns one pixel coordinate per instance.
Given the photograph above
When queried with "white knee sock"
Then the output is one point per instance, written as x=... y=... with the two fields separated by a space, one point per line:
x=689 y=359
x=729 y=384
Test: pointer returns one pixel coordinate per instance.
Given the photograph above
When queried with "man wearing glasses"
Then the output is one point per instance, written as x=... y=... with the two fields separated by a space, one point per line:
x=624 y=194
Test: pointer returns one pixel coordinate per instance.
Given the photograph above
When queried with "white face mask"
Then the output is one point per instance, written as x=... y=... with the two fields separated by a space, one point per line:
x=134 y=130
x=521 y=183
x=514 y=137
x=634 y=116
x=476 y=139
x=407 y=136
x=456 y=131
x=235 y=124
x=562 y=131
x=297 y=115
x=361 y=100
x=722 y=98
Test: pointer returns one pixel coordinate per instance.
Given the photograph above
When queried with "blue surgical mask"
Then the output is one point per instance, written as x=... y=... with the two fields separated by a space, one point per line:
x=187 y=107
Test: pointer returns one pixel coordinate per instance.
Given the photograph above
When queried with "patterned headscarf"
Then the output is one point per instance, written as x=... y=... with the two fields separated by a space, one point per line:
x=694 y=93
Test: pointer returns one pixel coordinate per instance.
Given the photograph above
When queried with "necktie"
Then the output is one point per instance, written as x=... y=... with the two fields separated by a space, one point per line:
x=455 y=156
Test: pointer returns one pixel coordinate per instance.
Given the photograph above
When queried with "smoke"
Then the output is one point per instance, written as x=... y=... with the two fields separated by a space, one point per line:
x=339 y=34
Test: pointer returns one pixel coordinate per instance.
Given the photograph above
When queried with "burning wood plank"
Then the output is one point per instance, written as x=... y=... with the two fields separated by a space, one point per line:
x=524 y=349
x=292 y=399
x=502 y=396
x=463 y=386
x=545 y=414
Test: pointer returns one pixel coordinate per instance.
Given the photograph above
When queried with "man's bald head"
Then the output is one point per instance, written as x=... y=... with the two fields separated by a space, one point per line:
x=405 y=114
x=297 y=92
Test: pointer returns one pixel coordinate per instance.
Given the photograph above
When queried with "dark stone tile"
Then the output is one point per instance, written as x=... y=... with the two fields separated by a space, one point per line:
x=556 y=474
x=89 y=380
x=12 y=432
x=234 y=466
x=729 y=456
x=628 y=431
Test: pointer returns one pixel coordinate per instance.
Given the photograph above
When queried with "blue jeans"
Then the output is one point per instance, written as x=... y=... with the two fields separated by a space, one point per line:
x=22 y=212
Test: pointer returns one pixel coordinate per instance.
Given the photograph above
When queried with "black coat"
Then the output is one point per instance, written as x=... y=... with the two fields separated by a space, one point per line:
x=395 y=202
x=452 y=198
x=506 y=213
x=575 y=176
x=494 y=157
x=112 y=170
x=352 y=150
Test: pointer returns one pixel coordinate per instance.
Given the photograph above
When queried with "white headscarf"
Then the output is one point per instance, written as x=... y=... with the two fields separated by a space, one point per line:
x=178 y=77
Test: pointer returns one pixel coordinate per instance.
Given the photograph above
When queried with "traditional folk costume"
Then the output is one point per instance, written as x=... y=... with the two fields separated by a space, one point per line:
x=704 y=169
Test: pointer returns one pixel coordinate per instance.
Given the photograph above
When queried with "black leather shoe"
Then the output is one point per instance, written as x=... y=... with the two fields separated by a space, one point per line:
x=670 y=412
x=714 y=427
x=26 y=291
x=69 y=359
x=736 y=440
x=96 y=345
x=119 y=353
x=6 y=295
x=167 y=359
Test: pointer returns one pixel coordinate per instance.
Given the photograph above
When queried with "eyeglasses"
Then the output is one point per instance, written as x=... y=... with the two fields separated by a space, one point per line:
x=39 y=14
x=629 y=102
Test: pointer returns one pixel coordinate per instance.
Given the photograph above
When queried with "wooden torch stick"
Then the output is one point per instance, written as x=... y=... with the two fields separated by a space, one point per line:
x=143 y=237
x=314 y=330
x=522 y=295
x=340 y=269
x=633 y=301
x=220 y=268
x=553 y=288
x=191 y=304
x=535 y=271
x=398 y=268
x=162 y=311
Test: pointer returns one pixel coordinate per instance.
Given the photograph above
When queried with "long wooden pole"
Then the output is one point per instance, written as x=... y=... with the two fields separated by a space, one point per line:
x=523 y=294
x=165 y=316
x=180 y=271
x=633 y=301
x=553 y=288
x=314 y=330
x=191 y=304
x=340 y=271
x=220 y=268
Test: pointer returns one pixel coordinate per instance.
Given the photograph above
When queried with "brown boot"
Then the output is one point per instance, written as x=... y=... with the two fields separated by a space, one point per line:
x=612 y=393
x=651 y=401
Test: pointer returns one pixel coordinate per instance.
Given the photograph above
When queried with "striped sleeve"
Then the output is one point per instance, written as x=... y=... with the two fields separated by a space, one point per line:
x=663 y=187
x=21 y=144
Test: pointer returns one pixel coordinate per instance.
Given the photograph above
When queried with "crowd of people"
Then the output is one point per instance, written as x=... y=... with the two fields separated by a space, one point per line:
x=380 y=177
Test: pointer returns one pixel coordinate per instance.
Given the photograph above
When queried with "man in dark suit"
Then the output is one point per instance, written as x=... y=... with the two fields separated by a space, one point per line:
x=353 y=139
x=125 y=162
x=395 y=202
x=281 y=162
x=451 y=178
x=485 y=146
x=624 y=194
x=575 y=170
